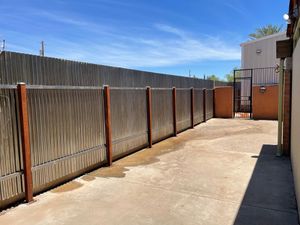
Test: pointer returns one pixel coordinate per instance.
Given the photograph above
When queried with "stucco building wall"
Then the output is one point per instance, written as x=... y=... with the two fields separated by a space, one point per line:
x=265 y=102
x=295 y=121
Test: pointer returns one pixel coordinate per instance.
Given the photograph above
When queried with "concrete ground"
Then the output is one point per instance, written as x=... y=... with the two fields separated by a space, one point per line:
x=222 y=172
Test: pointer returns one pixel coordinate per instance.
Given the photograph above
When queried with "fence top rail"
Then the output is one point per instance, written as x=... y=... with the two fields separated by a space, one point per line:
x=162 y=89
x=199 y=89
x=128 y=88
x=4 y=86
x=259 y=68
x=61 y=87
x=184 y=89
x=66 y=87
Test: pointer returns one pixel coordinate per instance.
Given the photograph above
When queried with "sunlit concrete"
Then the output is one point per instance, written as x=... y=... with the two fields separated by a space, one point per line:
x=222 y=172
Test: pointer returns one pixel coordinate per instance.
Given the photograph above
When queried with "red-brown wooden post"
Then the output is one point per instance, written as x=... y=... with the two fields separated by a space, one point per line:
x=204 y=105
x=108 y=130
x=23 y=113
x=174 y=110
x=214 y=102
x=149 y=115
x=192 y=107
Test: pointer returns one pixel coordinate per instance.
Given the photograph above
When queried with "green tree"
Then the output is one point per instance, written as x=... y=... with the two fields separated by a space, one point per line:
x=213 y=77
x=230 y=76
x=265 y=31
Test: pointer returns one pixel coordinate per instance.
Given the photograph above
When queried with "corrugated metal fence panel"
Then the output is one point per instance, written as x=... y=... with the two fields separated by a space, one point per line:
x=36 y=70
x=128 y=120
x=198 y=106
x=265 y=76
x=223 y=83
x=162 y=114
x=10 y=154
x=183 y=109
x=209 y=104
x=66 y=131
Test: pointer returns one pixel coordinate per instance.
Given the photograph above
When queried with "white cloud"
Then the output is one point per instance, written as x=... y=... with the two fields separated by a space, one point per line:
x=165 y=46
x=170 y=29
x=177 y=48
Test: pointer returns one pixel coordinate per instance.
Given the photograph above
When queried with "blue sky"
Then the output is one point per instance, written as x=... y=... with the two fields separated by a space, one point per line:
x=169 y=36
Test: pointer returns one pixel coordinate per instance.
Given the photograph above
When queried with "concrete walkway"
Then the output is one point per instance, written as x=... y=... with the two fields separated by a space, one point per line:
x=222 y=172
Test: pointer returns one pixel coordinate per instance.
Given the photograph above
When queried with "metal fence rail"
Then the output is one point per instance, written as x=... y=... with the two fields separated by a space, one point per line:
x=218 y=83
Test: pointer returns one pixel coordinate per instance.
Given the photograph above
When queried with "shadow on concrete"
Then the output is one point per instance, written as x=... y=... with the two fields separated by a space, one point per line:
x=270 y=196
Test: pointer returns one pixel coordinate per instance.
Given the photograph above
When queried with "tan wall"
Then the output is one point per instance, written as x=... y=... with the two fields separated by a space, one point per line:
x=224 y=102
x=295 y=123
x=265 y=105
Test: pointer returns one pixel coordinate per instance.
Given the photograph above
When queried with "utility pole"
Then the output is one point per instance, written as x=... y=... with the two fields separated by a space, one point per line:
x=3 y=46
x=42 y=49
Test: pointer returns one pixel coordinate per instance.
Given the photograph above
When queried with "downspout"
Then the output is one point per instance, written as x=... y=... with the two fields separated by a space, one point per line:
x=280 y=108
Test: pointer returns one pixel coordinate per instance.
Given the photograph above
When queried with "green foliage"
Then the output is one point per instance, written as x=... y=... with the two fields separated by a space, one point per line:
x=265 y=31
x=213 y=77
x=229 y=77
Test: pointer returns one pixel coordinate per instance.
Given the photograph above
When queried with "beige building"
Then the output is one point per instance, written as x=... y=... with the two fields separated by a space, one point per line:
x=261 y=53
x=292 y=95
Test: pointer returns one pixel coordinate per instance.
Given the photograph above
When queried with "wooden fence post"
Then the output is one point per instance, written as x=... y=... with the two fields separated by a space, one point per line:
x=108 y=125
x=214 y=102
x=149 y=115
x=204 y=105
x=192 y=107
x=23 y=113
x=174 y=110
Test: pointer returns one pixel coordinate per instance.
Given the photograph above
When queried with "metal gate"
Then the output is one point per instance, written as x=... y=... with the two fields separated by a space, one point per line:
x=243 y=79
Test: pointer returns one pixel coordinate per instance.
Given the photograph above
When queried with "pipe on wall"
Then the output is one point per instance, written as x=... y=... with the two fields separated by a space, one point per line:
x=280 y=111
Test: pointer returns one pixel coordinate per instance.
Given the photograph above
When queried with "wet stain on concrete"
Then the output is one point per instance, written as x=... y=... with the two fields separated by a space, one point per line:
x=150 y=156
x=143 y=157
x=88 y=178
x=73 y=185
x=113 y=171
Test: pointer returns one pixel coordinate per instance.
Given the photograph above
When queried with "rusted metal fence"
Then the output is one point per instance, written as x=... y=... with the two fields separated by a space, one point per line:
x=68 y=133
x=65 y=122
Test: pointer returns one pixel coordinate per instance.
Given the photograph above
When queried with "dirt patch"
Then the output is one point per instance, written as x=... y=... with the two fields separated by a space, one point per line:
x=73 y=185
